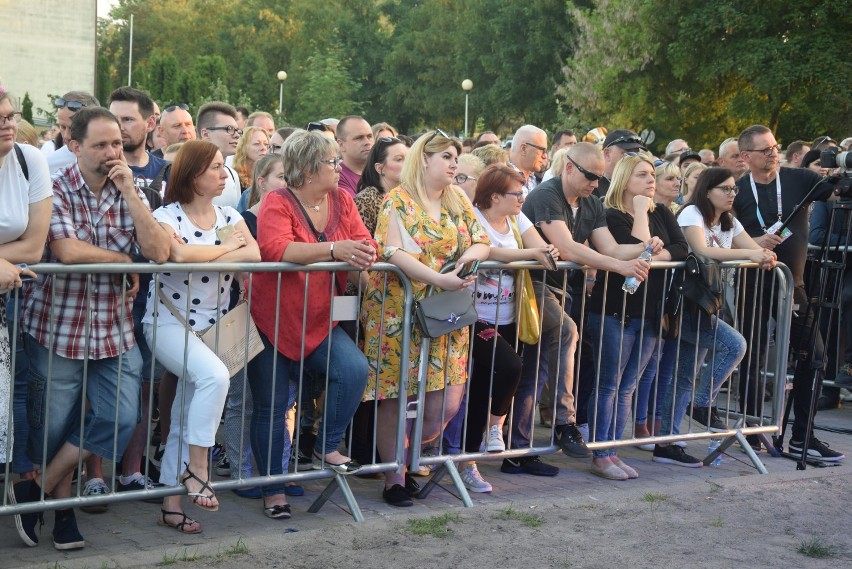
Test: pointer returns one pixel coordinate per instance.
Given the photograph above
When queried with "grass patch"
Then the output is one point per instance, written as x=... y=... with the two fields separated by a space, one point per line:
x=529 y=520
x=816 y=548
x=168 y=560
x=239 y=548
x=717 y=523
x=187 y=556
x=437 y=526
x=652 y=498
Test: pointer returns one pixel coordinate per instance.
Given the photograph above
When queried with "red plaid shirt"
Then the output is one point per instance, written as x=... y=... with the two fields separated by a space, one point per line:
x=59 y=307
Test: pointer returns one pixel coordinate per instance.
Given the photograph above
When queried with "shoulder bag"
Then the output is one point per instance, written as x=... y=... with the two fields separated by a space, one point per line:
x=697 y=286
x=526 y=306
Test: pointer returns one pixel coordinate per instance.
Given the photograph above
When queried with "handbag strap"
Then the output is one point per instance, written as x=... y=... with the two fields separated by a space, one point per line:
x=170 y=307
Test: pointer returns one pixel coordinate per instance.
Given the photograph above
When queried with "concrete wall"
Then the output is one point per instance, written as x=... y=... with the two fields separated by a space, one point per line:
x=47 y=46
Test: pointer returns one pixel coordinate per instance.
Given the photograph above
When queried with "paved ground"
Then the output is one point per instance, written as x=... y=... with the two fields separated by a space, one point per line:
x=127 y=536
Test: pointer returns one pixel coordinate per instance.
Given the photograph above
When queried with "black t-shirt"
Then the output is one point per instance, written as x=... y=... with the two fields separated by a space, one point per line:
x=795 y=184
x=662 y=224
x=603 y=187
x=547 y=203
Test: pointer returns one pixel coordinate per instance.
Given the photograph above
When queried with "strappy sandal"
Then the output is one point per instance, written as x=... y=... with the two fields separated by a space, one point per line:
x=182 y=525
x=200 y=494
x=278 y=512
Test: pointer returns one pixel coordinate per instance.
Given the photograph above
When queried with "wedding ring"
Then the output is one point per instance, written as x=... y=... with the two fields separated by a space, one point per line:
x=353 y=257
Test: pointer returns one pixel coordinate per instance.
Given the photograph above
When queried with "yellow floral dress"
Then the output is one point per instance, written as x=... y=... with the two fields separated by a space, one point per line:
x=434 y=244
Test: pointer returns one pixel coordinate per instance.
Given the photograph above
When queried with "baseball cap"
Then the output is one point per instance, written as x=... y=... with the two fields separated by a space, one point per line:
x=688 y=155
x=626 y=139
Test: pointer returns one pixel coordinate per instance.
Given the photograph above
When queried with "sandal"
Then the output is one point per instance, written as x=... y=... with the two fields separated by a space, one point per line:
x=182 y=525
x=348 y=467
x=278 y=512
x=200 y=494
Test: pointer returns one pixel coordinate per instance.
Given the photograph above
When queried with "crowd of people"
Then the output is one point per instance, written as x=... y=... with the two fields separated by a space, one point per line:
x=129 y=184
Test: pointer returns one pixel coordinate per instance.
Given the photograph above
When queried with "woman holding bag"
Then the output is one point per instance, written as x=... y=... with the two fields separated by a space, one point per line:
x=496 y=365
x=202 y=233
x=424 y=223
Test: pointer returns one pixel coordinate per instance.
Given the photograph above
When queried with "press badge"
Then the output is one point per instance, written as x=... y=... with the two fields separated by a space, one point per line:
x=785 y=233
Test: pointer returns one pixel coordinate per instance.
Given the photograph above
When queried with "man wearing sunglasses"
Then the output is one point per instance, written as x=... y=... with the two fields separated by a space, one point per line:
x=175 y=126
x=568 y=215
x=528 y=154
x=767 y=195
x=355 y=138
x=66 y=107
x=217 y=123
x=616 y=143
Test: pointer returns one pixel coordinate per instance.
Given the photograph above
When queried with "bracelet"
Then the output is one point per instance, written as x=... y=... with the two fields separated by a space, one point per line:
x=331 y=250
x=591 y=279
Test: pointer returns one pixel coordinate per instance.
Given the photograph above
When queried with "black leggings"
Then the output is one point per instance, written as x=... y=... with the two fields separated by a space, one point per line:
x=506 y=375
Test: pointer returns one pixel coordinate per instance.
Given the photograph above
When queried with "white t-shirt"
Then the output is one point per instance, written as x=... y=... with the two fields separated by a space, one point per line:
x=713 y=236
x=209 y=290
x=60 y=159
x=231 y=194
x=16 y=193
x=48 y=147
x=487 y=282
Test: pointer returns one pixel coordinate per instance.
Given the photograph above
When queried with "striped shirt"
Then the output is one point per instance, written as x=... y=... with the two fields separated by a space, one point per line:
x=79 y=315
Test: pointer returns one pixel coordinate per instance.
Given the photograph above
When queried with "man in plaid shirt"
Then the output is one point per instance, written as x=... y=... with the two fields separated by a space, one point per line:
x=80 y=326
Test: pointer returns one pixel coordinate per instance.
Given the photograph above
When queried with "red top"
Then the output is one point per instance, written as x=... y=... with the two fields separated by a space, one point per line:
x=280 y=222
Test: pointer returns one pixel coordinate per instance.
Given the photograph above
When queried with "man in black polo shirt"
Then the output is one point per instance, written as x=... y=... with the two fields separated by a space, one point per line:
x=566 y=215
x=767 y=195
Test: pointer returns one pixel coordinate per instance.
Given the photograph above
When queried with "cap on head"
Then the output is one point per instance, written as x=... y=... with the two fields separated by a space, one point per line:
x=626 y=139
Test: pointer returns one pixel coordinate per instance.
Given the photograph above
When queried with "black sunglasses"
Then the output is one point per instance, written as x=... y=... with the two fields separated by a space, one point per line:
x=389 y=140
x=75 y=106
x=622 y=139
x=170 y=108
x=316 y=126
x=590 y=176
x=436 y=133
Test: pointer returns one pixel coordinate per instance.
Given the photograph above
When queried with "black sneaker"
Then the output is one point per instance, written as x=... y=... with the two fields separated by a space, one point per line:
x=816 y=449
x=139 y=482
x=528 y=465
x=570 y=440
x=412 y=488
x=707 y=416
x=673 y=454
x=844 y=376
x=21 y=493
x=65 y=533
x=397 y=496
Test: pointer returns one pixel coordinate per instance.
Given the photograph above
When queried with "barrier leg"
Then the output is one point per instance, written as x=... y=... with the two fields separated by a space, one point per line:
x=339 y=481
x=449 y=467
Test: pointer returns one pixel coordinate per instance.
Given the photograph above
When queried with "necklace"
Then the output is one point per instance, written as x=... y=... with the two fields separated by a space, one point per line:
x=316 y=207
x=200 y=225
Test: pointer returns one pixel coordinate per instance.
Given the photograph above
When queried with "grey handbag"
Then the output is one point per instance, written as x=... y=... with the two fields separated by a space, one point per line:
x=441 y=313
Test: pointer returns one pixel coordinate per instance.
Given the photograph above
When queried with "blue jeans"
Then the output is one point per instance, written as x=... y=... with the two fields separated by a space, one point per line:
x=55 y=402
x=20 y=461
x=609 y=405
x=347 y=378
x=659 y=371
x=728 y=347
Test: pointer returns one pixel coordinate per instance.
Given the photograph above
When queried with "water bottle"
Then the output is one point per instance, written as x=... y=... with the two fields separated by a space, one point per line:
x=714 y=444
x=632 y=283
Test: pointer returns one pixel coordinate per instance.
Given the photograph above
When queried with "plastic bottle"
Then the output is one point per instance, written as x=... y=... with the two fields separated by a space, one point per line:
x=632 y=283
x=714 y=444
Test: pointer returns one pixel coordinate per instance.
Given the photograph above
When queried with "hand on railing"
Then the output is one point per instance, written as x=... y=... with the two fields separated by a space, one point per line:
x=360 y=254
x=637 y=268
x=765 y=258
x=451 y=281
x=10 y=275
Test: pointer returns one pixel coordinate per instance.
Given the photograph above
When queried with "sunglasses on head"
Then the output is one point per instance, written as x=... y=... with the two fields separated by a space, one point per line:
x=389 y=140
x=315 y=125
x=170 y=108
x=436 y=133
x=625 y=139
x=60 y=103
x=590 y=176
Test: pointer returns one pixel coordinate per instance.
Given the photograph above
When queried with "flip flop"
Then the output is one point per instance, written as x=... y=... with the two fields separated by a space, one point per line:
x=182 y=525
x=187 y=474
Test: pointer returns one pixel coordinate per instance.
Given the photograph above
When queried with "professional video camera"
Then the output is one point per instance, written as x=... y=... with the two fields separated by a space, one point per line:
x=832 y=158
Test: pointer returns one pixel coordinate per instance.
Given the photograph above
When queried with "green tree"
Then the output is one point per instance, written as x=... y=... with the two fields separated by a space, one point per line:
x=27 y=108
x=329 y=90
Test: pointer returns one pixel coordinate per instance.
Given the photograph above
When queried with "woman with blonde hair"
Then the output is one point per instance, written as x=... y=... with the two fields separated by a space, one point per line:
x=425 y=223
x=668 y=184
x=253 y=145
x=690 y=177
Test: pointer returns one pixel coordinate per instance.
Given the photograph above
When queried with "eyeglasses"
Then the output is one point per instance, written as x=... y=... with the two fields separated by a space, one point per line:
x=316 y=126
x=822 y=140
x=727 y=190
x=766 y=151
x=590 y=176
x=229 y=129
x=518 y=195
x=462 y=178
x=436 y=133
x=13 y=118
x=682 y=150
x=275 y=148
x=75 y=106
x=171 y=108
x=389 y=140
x=541 y=149
x=623 y=139
x=335 y=162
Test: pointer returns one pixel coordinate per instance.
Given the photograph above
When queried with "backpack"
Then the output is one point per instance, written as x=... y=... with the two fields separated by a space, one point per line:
x=152 y=191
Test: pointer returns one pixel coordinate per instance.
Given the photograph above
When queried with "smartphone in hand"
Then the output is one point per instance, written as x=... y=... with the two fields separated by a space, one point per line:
x=550 y=263
x=469 y=269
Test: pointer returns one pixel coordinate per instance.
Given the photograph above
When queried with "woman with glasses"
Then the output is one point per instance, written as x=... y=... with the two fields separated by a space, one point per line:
x=711 y=230
x=309 y=221
x=624 y=329
x=253 y=145
x=381 y=174
x=425 y=223
x=497 y=366
x=25 y=208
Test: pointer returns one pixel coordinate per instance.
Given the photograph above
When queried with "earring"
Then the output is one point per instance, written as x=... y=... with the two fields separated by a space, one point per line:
x=310 y=180
x=382 y=173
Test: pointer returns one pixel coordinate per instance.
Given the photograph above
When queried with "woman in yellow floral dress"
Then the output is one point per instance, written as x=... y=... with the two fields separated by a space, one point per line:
x=424 y=223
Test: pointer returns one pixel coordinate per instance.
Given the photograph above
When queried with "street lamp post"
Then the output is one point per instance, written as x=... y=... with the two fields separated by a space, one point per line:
x=282 y=75
x=467 y=85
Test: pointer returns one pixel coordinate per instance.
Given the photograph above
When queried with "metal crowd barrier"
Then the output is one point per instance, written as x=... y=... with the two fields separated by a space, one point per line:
x=447 y=453
x=342 y=309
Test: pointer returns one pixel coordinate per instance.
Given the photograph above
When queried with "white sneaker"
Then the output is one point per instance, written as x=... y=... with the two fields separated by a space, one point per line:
x=473 y=480
x=95 y=487
x=495 y=439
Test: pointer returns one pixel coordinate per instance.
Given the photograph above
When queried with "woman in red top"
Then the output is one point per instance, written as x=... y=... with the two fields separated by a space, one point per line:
x=310 y=221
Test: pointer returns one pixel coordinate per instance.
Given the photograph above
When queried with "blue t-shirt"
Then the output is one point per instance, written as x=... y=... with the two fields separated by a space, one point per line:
x=144 y=175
